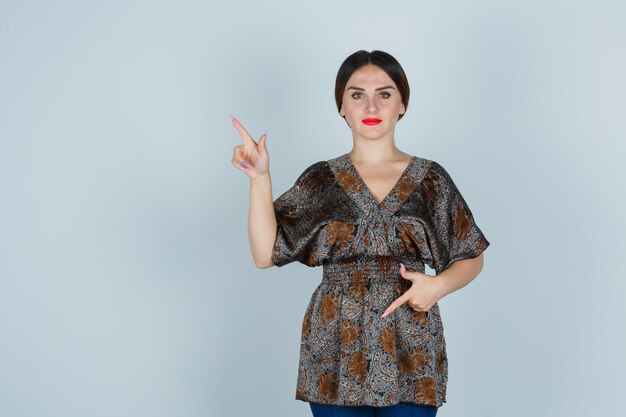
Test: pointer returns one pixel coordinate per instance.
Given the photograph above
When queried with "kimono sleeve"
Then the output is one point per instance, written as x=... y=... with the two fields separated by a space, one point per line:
x=298 y=224
x=457 y=236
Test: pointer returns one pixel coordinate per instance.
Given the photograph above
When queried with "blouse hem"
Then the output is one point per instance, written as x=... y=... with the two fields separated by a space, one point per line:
x=348 y=404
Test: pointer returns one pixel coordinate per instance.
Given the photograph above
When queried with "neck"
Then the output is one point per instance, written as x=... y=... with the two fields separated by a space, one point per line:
x=375 y=151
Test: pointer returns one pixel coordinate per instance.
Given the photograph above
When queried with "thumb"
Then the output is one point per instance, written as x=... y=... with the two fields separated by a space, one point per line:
x=397 y=303
x=403 y=273
x=262 y=141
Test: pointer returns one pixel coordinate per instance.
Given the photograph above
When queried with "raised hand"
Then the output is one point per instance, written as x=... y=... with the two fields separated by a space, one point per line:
x=251 y=157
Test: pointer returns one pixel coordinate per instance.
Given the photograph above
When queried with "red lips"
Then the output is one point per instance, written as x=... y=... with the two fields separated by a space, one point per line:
x=371 y=122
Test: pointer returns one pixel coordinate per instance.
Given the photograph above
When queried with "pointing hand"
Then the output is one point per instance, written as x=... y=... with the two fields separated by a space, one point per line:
x=422 y=295
x=251 y=157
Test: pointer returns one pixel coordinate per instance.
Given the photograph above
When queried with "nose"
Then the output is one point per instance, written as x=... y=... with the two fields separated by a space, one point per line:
x=371 y=106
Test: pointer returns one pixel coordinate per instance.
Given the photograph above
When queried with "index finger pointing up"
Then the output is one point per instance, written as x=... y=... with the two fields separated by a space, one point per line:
x=242 y=131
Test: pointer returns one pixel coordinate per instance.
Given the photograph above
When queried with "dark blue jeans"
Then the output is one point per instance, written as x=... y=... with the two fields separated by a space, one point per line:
x=398 y=410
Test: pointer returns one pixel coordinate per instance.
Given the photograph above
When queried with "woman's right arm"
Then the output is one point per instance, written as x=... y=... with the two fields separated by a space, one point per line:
x=261 y=220
x=253 y=159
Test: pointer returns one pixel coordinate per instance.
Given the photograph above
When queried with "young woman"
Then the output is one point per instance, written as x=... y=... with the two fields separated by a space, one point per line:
x=372 y=337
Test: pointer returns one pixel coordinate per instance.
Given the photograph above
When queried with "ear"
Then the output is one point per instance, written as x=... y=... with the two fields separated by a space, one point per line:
x=341 y=112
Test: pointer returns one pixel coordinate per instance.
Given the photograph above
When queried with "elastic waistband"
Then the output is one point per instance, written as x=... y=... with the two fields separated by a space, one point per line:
x=352 y=273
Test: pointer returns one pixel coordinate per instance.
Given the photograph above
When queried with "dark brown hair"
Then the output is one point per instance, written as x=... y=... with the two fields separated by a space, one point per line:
x=382 y=60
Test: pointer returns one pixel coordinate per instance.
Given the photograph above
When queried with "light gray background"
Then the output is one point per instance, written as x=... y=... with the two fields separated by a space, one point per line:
x=127 y=287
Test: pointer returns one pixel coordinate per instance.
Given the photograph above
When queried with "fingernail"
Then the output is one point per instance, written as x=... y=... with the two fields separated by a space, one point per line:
x=385 y=314
x=232 y=117
x=242 y=168
x=265 y=134
x=402 y=265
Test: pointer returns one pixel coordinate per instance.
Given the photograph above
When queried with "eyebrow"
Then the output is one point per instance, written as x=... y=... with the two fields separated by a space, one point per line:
x=363 y=89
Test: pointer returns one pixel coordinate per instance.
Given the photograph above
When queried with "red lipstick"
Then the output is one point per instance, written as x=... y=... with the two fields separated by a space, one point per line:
x=371 y=122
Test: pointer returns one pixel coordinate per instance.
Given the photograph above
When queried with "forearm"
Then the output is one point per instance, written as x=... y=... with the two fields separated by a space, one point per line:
x=459 y=274
x=261 y=220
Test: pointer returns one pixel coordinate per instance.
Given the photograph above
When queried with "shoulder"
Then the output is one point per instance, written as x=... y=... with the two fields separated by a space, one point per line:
x=436 y=183
x=436 y=172
x=313 y=170
x=316 y=177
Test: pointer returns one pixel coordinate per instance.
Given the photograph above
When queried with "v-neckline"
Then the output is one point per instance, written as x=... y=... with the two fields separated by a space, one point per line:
x=367 y=189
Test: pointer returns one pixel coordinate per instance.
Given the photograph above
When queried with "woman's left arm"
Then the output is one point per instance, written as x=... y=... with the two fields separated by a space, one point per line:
x=458 y=274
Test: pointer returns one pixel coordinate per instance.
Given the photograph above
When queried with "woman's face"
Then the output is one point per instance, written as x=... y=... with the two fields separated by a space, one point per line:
x=371 y=94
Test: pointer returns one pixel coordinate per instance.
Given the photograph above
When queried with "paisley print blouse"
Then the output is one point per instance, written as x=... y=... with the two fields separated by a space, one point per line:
x=349 y=355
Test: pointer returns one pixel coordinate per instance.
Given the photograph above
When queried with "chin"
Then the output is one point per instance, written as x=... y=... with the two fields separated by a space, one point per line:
x=372 y=135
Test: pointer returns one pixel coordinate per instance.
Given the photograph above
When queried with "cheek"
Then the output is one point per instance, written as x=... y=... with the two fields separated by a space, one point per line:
x=351 y=108
x=396 y=104
x=395 y=107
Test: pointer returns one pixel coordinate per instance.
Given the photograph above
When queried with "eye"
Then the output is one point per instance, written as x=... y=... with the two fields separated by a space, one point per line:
x=356 y=94
x=388 y=95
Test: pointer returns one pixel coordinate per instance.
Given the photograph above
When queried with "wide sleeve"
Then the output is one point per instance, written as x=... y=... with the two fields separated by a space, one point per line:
x=456 y=234
x=298 y=221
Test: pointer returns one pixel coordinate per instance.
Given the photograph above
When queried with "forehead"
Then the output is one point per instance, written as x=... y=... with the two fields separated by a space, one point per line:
x=369 y=75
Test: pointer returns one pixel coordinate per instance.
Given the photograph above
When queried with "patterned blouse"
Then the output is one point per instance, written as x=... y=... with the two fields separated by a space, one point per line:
x=349 y=355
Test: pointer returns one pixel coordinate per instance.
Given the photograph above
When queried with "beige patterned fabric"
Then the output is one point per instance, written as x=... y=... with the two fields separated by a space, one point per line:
x=348 y=354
